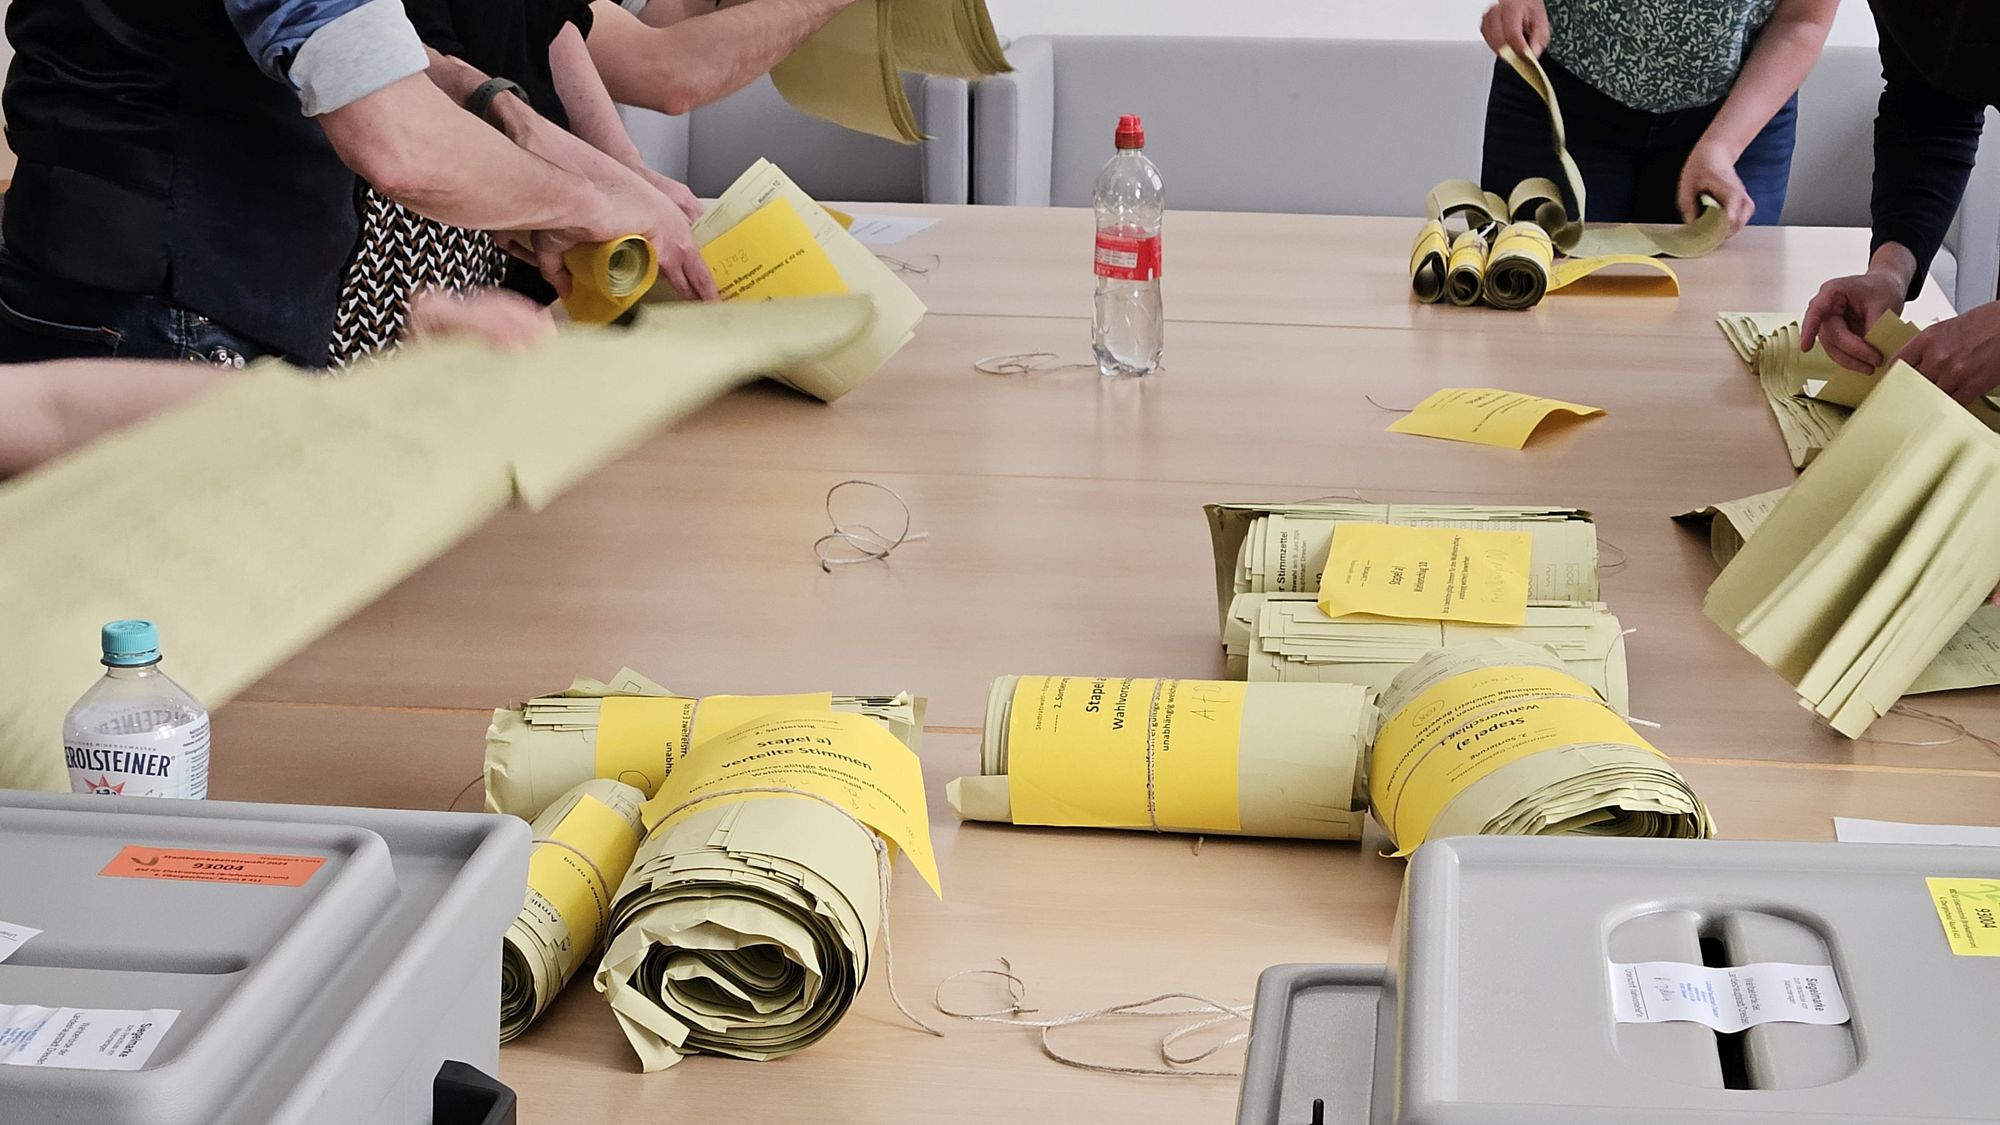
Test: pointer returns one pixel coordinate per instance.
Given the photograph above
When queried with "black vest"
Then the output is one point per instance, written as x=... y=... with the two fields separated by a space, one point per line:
x=155 y=158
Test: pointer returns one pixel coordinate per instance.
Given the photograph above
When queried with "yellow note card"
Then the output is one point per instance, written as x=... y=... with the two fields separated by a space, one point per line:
x=569 y=868
x=1484 y=416
x=638 y=738
x=1969 y=910
x=1469 y=726
x=1427 y=573
x=1096 y=752
x=720 y=714
x=849 y=760
x=771 y=254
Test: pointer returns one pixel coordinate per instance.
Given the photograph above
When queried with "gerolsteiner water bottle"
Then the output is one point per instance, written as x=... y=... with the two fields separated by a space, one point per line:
x=136 y=733
x=1128 y=327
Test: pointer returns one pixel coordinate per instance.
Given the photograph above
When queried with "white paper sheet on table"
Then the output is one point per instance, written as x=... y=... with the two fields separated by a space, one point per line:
x=1852 y=830
x=887 y=230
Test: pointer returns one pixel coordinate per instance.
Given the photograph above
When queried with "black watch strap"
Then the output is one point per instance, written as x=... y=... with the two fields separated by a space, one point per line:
x=480 y=103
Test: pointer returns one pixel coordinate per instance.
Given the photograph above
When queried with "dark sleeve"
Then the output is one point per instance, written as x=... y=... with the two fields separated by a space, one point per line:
x=437 y=26
x=1925 y=142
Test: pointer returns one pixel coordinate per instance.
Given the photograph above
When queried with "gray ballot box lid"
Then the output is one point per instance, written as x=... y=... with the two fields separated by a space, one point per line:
x=1497 y=1004
x=322 y=962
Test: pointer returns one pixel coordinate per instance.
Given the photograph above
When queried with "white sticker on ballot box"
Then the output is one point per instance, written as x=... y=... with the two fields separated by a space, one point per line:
x=13 y=937
x=1728 y=999
x=81 y=1038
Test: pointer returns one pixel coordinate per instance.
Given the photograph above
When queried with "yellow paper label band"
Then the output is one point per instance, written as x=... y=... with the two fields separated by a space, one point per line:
x=1125 y=753
x=639 y=737
x=1427 y=573
x=576 y=869
x=606 y=278
x=1472 y=724
x=720 y=714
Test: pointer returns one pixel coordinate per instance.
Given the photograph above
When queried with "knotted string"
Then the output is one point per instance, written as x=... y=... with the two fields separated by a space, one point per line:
x=868 y=544
x=1176 y=1064
x=1959 y=731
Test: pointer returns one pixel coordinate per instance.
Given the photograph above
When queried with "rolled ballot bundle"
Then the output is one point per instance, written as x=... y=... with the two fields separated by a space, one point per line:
x=1427 y=263
x=635 y=730
x=1495 y=738
x=1519 y=268
x=1287 y=638
x=584 y=844
x=746 y=924
x=1465 y=268
x=1284 y=548
x=1172 y=756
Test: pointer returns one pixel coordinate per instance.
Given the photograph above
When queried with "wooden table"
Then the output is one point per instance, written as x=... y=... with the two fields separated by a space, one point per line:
x=1066 y=536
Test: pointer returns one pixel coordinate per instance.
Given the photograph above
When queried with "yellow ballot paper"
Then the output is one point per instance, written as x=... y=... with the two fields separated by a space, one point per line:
x=771 y=254
x=1427 y=573
x=1495 y=738
x=1172 y=756
x=1484 y=416
x=584 y=844
x=606 y=278
x=845 y=759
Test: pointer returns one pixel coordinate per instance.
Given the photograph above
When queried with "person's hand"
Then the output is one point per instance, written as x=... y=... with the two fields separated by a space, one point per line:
x=650 y=212
x=500 y=318
x=1960 y=355
x=673 y=189
x=1843 y=312
x=1520 y=24
x=1711 y=169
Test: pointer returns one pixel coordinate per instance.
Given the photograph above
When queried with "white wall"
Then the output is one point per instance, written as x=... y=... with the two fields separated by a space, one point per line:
x=1322 y=19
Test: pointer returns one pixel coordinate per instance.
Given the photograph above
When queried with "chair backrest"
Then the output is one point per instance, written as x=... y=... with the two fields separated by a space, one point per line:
x=708 y=148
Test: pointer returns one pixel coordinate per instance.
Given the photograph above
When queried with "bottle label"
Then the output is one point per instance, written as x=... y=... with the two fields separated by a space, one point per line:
x=1128 y=259
x=140 y=765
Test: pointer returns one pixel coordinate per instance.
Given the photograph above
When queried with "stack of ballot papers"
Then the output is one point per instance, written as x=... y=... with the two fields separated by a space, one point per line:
x=1875 y=559
x=749 y=918
x=634 y=730
x=1287 y=638
x=297 y=500
x=1172 y=756
x=1747 y=331
x=1970 y=659
x=849 y=72
x=1282 y=548
x=1494 y=737
x=584 y=844
x=767 y=239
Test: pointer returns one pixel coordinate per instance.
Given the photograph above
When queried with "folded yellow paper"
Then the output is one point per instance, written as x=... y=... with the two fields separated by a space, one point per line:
x=1494 y=738
x=1427 y=263
x=1484 y=416
x=606 y=278
x=1427 y=573
x=771 y=254
x=849 y=71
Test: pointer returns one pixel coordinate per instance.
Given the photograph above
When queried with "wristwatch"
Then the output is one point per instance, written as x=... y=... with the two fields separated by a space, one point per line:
x=480 y=104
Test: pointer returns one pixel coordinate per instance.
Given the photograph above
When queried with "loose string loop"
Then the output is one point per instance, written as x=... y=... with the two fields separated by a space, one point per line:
x=866 y=543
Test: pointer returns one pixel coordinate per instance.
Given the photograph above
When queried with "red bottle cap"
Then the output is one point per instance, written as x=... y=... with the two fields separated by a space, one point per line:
x=1131 y=132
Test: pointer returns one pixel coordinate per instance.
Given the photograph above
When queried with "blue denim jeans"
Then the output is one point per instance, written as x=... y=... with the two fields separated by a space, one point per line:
x=1631 y=159
x=46 y=318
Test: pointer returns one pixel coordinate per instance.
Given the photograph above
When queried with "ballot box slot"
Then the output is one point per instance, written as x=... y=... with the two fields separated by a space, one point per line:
x=1729 y=1048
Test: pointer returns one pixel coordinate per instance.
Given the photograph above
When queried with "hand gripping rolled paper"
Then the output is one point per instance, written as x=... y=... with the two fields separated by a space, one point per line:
x=747 y=923
x=1172 y=756
x=584 y=844
x=1495 y=738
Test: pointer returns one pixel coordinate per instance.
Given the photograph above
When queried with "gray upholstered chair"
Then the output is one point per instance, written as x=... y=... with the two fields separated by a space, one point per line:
x=1363 y=127
x=708 y=148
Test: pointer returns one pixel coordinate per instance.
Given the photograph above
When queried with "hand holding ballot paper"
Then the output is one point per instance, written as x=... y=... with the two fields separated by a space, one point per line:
x=766 y=239
x=850 y=71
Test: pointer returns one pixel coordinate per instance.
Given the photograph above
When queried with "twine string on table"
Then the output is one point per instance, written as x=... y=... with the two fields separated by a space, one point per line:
x=1024 y=363
x=1177 y=1065
x=868 y=544
x=1959 y=731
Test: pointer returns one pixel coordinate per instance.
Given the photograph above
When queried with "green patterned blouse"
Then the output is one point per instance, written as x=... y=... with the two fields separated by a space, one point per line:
x=1656 y=55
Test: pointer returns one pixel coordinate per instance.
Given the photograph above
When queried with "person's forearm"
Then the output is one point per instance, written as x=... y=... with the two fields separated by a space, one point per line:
x=419 y=148
x=1894 y=261
x=592 y=114
x=1925 y=142
x=1784 y=54
x=694 y=61
x=48 y=409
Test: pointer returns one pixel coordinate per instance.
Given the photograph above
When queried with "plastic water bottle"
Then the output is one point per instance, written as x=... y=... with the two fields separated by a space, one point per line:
x=136 y=733
x=1128 y=327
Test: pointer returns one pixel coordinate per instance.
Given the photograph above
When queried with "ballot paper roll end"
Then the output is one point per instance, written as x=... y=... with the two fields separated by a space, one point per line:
x=980 y=798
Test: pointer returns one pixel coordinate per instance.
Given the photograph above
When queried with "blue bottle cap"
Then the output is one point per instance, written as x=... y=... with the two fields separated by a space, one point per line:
x=129 y=644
